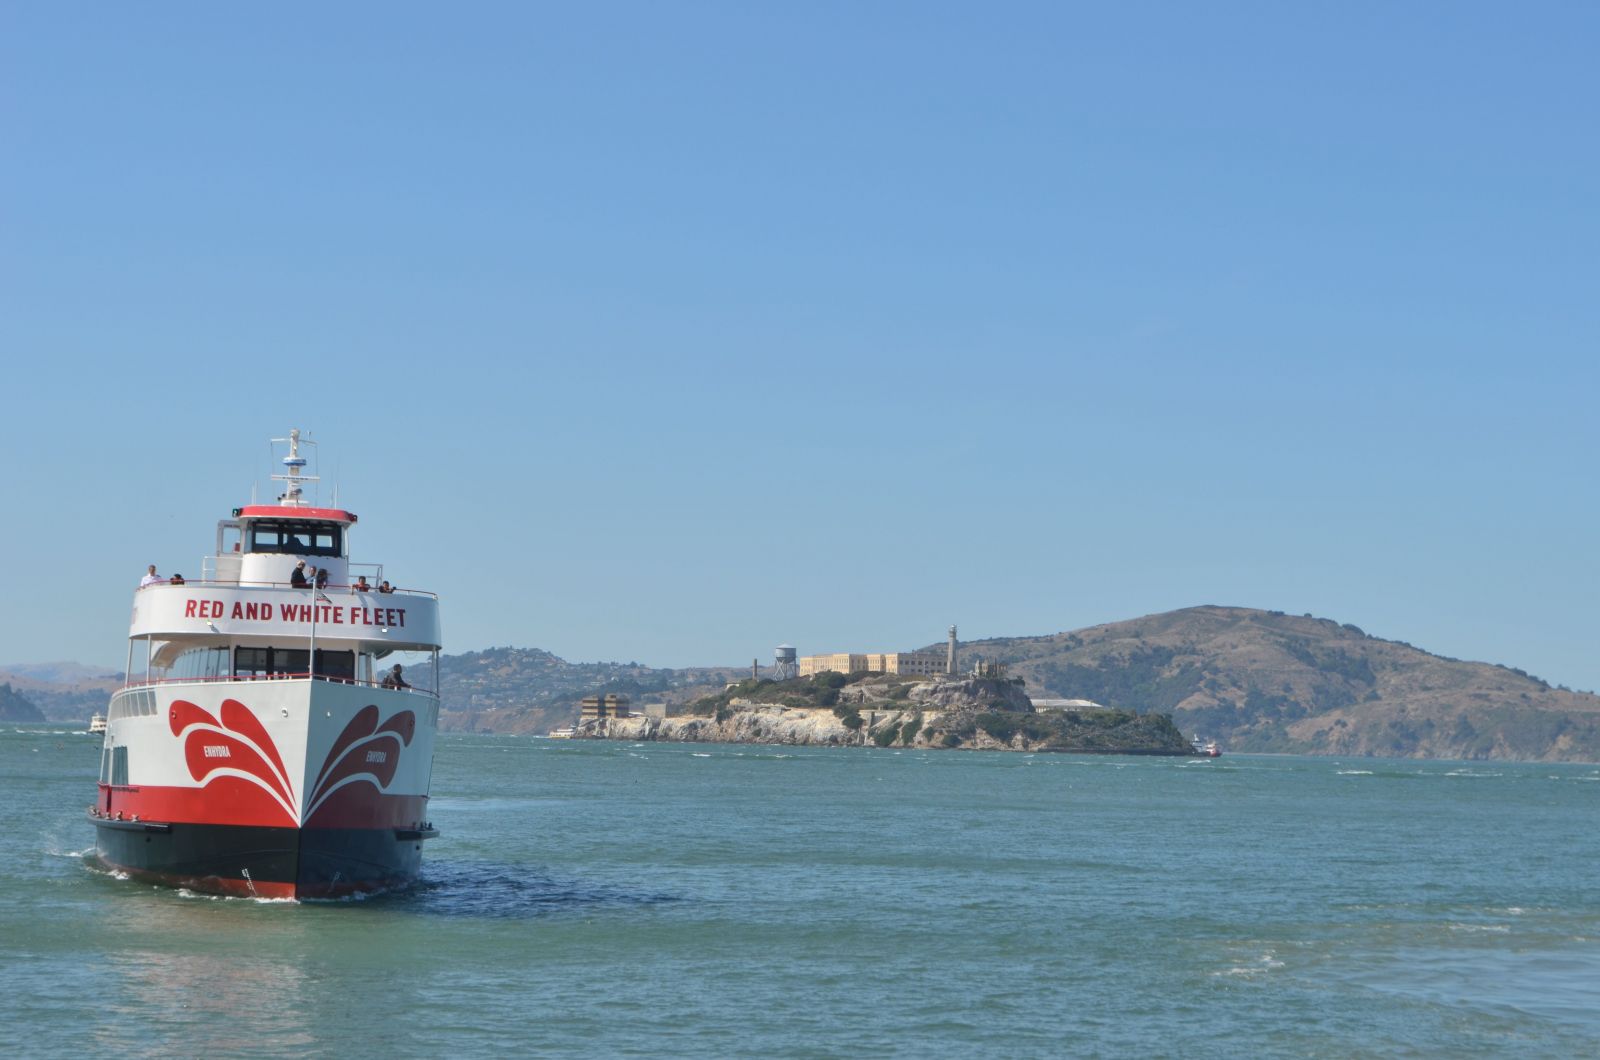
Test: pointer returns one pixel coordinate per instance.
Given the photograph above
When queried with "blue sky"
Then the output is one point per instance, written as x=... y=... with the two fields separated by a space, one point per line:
x=671 y=332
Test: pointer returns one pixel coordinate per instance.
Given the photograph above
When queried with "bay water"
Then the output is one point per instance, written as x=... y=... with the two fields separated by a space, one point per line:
x=654 y=900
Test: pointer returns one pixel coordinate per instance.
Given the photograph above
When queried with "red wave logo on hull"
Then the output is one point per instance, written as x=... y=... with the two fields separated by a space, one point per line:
x=237 y=746
x=365 y=753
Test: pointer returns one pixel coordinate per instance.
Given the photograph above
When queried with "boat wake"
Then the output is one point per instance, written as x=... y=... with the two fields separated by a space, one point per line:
x=510 y=892
x=201 y=896
x=92 y=865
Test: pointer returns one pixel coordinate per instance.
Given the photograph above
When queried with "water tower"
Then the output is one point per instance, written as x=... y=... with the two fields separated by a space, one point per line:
x=785 y=666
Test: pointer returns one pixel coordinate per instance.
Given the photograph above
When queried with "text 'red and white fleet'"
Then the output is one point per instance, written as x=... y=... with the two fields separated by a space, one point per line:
x=260 y=746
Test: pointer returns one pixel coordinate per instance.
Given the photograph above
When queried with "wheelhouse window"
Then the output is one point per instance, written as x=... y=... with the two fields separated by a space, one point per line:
x=296 y=538
x=269 y=662
x=292 y=662
x=339 y=665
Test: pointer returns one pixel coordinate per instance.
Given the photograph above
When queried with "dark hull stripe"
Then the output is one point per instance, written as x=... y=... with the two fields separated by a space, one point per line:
x=266 y=862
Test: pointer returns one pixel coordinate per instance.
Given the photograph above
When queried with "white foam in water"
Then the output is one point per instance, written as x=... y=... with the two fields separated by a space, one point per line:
x=1355 y=772
x=698 y=754
x=1267 y=962
x=52 y=851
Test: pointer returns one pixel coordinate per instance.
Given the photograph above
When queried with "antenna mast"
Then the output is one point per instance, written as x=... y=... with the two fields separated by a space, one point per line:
x=292 y=477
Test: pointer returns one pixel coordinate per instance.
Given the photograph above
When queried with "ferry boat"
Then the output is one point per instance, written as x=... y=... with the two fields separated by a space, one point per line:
x=1206 y=748
x=257 y=747
x=97 y=724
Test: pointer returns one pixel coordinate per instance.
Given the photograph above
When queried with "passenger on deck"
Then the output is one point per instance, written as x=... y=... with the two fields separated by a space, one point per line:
x=383 y=588
x=322 y=577
x=392 y=679
x=176 y=579
x=297 y=577
x=361 y=585
x=151 y=578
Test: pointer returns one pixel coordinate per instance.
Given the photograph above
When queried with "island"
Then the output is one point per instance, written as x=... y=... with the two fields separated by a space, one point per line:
x=991 y=713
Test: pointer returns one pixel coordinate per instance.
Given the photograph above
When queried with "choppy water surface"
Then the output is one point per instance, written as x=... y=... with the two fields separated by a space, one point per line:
x=640 y=899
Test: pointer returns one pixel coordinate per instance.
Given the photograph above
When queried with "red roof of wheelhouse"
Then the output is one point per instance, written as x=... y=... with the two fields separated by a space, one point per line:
x=284 y=511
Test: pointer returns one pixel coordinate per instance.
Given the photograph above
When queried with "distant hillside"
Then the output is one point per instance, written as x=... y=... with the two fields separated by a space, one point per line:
x=57 y=673
x=1253 y=680
x=79 y=693
x=1267 y=681
x=15 y=707
x=532 y=691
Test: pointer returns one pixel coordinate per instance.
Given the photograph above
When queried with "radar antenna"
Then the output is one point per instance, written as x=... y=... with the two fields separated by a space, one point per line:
x=292 y=464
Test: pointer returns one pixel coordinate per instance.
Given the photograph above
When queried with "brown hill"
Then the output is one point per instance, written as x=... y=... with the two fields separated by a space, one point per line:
x=63 y=691
x=1267 y=681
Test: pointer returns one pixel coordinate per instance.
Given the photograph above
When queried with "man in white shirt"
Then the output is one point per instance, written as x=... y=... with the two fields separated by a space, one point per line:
x=149 y=579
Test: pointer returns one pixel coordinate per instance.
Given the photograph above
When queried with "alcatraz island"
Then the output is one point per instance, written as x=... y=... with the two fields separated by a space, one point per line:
x=892 y=699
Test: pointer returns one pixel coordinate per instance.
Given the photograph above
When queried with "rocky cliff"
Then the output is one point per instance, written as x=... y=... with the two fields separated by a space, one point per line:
x=975 y=713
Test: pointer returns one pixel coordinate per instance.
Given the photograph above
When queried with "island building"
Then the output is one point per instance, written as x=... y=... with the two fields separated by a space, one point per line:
x=995 y=671
x=785 y=664
x=1042 y=706
x=920 y=663
x=610 y=705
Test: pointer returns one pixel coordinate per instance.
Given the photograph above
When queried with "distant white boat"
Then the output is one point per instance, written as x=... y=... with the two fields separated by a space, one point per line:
x=97 y=724
x=564 y=733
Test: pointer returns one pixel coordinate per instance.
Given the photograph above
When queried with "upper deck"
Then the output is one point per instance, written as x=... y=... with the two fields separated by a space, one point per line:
x=404 y=620
x=282 y=574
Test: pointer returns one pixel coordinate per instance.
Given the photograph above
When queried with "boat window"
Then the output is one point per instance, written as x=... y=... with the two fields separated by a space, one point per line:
x=199 y=663
x=340 y=665
x=250 y=662
x=297 y=538
x=270 y=662
x=284 y=662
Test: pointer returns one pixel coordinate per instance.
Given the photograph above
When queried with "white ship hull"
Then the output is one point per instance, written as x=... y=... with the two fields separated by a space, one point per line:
x=275 y=788
x=261 y=752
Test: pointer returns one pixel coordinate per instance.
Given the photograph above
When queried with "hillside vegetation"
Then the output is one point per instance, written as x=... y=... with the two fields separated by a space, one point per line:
x=983 y=713
x=14 y=706
x=61 y=691
x=1267 y=681
x=527 y=690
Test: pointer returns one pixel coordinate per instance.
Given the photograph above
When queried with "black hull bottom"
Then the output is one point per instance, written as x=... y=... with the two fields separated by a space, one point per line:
x=262 y=862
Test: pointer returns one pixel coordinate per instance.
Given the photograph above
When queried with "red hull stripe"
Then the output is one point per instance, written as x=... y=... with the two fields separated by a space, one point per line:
x=235 y=801
x=234 y=888
x=361 y=805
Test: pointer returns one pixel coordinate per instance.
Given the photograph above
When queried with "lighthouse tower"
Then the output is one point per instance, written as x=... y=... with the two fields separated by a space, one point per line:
x=950 y=654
